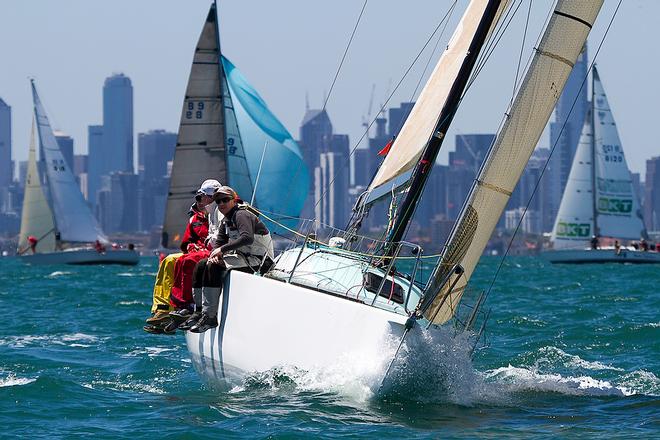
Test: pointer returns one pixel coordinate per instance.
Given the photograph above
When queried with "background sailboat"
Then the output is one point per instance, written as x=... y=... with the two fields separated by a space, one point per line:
x=74 y=229
x=225 y=126
x=599 y=199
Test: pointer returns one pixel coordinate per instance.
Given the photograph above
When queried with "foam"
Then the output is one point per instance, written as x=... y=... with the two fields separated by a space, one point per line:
x=12 y=381
x=58 y=273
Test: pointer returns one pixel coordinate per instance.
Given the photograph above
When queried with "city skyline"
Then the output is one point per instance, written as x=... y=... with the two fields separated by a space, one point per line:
x=153 y=46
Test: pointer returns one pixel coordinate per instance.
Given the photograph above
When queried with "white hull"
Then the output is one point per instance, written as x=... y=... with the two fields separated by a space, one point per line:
x=84 y=257
x=265 y=323
x=585 y=256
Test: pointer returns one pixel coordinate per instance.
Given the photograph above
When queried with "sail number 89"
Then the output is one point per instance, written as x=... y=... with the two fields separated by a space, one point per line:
x=194 y=110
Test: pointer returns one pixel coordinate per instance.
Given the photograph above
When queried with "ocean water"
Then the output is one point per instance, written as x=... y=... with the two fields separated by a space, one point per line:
x=574 y=352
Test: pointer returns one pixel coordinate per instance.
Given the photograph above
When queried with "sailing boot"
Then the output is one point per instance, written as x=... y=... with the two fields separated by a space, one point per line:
x=204 y=323
x=192 y=320
x=177 y=317
x=159 y=317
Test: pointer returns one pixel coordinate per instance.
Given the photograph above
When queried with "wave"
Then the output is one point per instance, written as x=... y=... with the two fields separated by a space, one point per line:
x=12 y=380
x=58 y=273
x=118 y=385
x=72 y=340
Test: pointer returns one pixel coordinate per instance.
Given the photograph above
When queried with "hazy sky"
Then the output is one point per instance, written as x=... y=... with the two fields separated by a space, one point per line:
x=287 y=49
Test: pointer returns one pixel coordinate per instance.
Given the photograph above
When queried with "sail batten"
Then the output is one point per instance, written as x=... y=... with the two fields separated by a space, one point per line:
x=536 y=98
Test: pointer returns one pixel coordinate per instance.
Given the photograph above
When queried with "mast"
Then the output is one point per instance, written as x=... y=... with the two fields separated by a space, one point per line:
x=593 y=152
x=422 y=169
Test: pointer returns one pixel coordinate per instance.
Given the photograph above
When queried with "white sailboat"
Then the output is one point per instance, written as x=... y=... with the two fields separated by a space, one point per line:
x=599 y=199
x=59 y=220
x=322 y=304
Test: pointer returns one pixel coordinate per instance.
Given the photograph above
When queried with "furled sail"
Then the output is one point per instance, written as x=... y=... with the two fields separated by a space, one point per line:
x=618 y=211
x=553 y=61
x=72 y=217
x=201 y=151
x=37 y=218
x=574 y=224
x=284 y=178
x=424 y=117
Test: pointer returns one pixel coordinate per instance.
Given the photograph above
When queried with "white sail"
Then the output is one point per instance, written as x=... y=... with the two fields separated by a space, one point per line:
x=553 y=61
x=73 y=218
x=574 y=224
x=37 y=218
x=618 y=211
x=419 y=126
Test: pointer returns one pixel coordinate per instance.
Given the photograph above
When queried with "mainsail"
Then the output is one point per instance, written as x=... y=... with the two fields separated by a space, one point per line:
x=553 y=61
x=574 y=224
x=618 y=213
x=200 y=150
x=224 y=128
x=37 y=218
x=72 y=217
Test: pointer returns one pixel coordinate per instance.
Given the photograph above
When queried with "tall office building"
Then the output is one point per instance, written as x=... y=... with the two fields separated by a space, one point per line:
x=6 y=172
x=97 y=162
x=570 y=113
x=155 y=150
x=118 y=122
x=652 y=194
x=117 y=201
x=332 y=175
x=65 y=142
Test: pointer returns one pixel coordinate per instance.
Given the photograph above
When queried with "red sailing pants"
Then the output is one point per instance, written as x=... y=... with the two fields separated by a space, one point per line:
x=181 y=296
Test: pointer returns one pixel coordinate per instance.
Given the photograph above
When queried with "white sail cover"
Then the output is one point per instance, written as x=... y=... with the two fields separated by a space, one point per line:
x=200 y=150
x=618 y=210
x=36 y=219
x=574 y=224
x=420 y=124
x=73 y=218
x=553 y=61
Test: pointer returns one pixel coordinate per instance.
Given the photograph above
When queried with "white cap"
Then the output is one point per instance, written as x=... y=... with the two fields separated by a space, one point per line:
x=208 y=187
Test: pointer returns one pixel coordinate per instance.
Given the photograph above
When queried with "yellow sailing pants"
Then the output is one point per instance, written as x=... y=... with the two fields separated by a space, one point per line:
x=164 y=282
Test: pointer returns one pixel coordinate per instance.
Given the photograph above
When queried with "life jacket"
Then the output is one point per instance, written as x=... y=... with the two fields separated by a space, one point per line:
x=252 y=255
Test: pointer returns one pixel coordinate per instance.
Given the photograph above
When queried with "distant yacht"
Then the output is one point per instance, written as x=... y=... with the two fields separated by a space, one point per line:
x=57 y=226
x=599 y=200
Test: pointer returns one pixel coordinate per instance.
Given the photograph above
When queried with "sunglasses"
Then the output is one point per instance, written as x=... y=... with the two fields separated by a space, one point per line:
x=223 y=200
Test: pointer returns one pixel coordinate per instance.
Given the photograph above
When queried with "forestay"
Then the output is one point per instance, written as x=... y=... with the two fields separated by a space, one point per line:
x=618 y=211
x=284 y=178
x=553 y=61
x=72 y=217
x=424 y=117
x=37 y=218
x=574 y=223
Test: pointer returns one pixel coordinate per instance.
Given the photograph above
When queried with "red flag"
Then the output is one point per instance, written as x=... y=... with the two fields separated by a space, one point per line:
x=386 y=148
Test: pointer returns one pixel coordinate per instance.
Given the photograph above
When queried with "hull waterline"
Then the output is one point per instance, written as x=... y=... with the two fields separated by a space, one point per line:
x=84 y=257
x=592 y=256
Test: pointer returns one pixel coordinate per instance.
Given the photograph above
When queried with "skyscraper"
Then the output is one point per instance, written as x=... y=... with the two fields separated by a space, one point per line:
x=155 y=150
x=96 y=162
x=118 y=122
x=6 y=173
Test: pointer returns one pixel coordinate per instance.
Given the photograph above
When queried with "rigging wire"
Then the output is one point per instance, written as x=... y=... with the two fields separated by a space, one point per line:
x=538 y=181
x=343 y=58
x=396 y=87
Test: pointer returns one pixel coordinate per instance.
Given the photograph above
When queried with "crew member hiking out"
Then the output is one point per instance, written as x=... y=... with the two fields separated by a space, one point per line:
x=244 y=243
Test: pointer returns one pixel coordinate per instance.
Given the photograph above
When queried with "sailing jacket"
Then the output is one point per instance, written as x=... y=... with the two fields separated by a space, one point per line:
x=197 y=229
x=241 y=232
